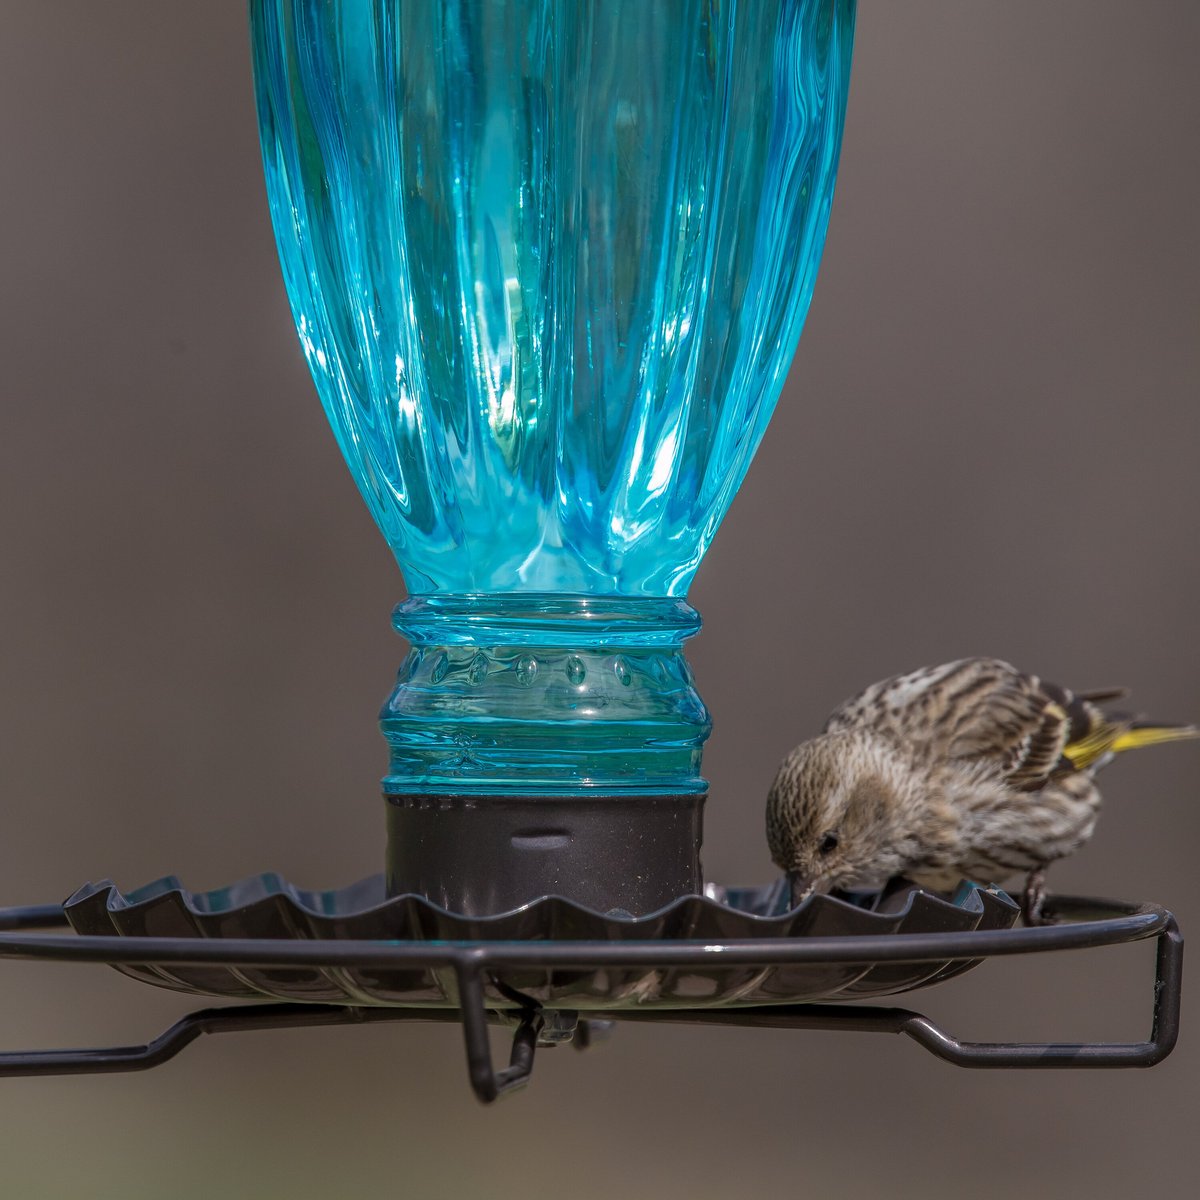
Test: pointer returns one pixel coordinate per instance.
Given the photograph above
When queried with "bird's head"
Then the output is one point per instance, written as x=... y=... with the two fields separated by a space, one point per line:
x=840 y=813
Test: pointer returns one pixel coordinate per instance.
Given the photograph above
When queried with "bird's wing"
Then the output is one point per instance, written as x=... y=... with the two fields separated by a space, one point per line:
x=979 y=709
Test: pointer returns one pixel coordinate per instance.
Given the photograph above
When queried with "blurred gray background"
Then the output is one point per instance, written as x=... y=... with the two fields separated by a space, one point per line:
x=988 y=444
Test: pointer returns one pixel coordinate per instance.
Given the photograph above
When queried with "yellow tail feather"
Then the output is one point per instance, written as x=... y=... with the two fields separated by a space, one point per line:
x=1152 y=735
x=1114 y=738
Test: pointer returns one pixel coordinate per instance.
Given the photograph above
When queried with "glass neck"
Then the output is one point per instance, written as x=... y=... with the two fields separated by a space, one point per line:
x=532 y=693
x=546 y=619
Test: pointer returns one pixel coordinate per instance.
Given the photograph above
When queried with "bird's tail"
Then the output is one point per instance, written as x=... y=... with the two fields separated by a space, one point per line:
x=1150 y=733
x=1114 y=735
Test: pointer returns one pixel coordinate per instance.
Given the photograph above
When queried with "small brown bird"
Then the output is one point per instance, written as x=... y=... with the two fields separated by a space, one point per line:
x=968 y=770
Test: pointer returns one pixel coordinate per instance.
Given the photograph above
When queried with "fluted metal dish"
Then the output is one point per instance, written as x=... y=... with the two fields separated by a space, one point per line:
x=269 y=907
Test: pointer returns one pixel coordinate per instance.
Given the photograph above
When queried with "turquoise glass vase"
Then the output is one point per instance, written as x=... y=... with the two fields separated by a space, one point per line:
x=548 y=261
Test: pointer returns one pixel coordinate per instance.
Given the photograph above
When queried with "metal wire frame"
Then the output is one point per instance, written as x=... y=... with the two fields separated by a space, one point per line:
x=1085 y=923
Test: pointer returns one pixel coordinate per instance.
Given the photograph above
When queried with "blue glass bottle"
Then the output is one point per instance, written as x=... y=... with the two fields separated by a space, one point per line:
x=549 y=260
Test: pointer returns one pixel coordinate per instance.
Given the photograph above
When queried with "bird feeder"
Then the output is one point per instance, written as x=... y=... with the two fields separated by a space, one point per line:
x=548 y=262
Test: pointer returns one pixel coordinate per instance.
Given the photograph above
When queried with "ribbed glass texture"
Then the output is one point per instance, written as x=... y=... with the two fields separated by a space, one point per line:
x=549 y=260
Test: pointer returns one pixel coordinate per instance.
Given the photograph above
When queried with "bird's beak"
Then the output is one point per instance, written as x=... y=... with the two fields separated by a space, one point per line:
x=802 y=887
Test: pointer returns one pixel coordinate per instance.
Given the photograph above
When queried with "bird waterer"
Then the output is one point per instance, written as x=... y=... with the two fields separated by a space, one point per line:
x=549 y=261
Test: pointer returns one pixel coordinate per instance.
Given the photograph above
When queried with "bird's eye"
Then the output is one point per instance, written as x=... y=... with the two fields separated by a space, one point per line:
x=828 y=844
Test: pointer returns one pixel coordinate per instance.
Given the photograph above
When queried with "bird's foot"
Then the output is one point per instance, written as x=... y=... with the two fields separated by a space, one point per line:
x=1033 y=901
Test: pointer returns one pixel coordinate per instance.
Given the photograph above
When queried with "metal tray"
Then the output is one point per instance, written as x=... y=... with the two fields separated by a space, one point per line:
x=473 y=973
x=268 y=907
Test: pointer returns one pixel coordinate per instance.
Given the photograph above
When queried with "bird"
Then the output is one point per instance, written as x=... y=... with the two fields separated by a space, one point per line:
x=971 y=769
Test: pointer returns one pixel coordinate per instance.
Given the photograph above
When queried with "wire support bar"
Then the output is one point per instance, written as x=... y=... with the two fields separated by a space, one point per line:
x=1164 y=1033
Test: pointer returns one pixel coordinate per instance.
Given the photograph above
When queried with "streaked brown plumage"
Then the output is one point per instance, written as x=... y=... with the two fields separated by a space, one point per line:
x=970 y=769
